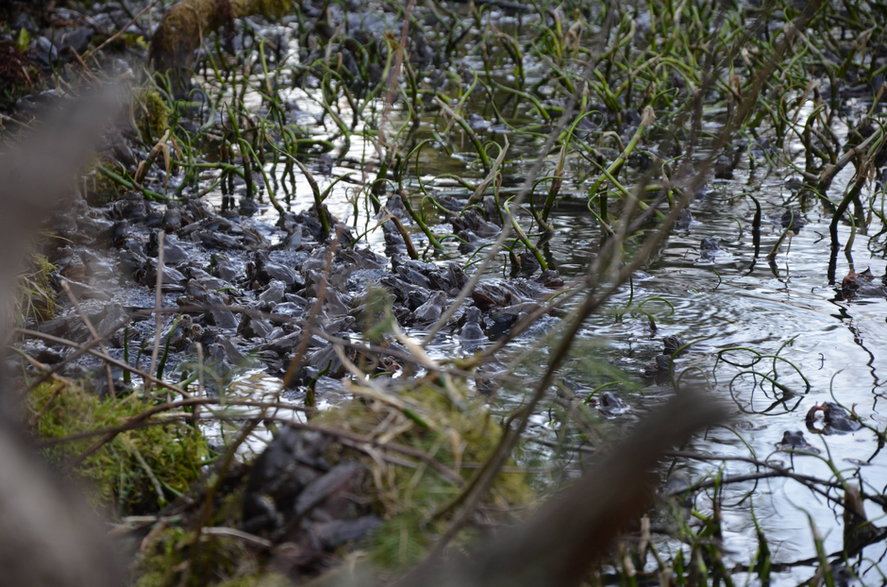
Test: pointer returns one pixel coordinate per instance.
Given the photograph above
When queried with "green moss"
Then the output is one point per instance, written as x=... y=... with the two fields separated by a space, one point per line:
x=171 y=559
x=156 y=567
x=138 y=470
x=259 y=580
x=152 y=115
x=395 y=545
x=378 y=317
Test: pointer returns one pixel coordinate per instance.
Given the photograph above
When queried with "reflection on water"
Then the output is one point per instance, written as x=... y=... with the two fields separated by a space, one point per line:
x=791 y=312
x=228 y=421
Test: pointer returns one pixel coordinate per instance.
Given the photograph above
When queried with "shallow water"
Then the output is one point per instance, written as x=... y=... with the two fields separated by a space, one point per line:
x=722 y=302
x=786 y=314
x=840 y=348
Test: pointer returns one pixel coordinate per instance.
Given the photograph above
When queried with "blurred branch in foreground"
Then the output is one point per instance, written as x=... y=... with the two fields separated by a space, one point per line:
x=48 y=534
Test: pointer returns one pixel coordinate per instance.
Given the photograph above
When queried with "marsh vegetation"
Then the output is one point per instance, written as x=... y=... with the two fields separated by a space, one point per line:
x=354 y=288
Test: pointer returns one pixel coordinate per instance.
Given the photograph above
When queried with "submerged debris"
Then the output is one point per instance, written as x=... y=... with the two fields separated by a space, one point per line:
x=792 y=220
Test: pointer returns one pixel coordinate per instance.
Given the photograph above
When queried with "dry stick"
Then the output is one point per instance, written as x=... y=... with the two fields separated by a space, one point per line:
x=410 y=355
x=201 y=384
x=144 y=419
x=617 y=163
x=353 y=439
x=225 y=463
x=87 y=71
x=858 y=152
x=42 y=367
x=381 y=143
x=564 y=295
x=518 y=200
x=477 y=488
x=160 y=148
x=394 y=75
x=525 y=189
x=50 y=535
x=246 y=537
x=246 y=310
x=20 y=123
x=492 y=175
x=58 y=387
x=132 y=423
x=828 y=174
x=221 y=469
x=149 y=472
x=584 y=519
x=370 y=389
x=570 y=291
x=92 y=331
x=405 y=235
x=80 y=349
x=359 y=442
x=308 y=325
x=479 y=485
x=567 y=293
x=748 y=100
x=158 y=303
x=131 y=524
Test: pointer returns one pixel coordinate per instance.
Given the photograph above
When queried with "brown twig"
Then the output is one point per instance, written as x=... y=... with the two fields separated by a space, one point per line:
x=158 y=303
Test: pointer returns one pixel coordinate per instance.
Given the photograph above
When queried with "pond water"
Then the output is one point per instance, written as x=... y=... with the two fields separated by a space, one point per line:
x=791 y=310
x=747 y=325
x=720 y=301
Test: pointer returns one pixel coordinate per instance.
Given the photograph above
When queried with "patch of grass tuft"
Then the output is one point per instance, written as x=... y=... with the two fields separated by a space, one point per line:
x=36 y=295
